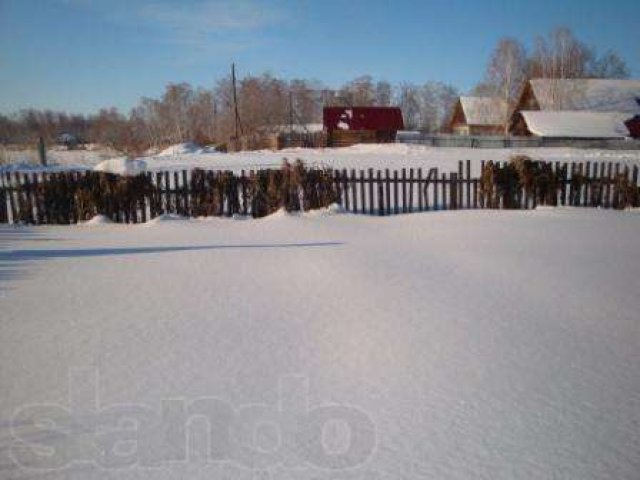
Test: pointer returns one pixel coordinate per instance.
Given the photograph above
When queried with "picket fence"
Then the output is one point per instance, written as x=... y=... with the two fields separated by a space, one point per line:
x=72 y=197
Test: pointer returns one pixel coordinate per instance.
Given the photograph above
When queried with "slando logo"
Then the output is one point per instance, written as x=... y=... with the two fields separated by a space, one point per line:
x=257 y=436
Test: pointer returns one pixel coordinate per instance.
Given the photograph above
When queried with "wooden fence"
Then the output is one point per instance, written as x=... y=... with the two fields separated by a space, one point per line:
x=500 y=141
x=71 y=197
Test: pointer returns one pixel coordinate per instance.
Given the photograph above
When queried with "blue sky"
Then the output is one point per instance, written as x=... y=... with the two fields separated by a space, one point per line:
x=80 y=55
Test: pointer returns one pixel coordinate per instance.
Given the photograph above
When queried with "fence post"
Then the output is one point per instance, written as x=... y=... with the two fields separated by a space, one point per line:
x=587 y=183
x=483 y=193
x=453 y=191
x=169 y=201
x=29 y=197
x=607 y=201
x=345 y=189
x=572 y=185
x=19 y=195
x=404 y=190
x=371 y=207
x=4 y=214
x=42 y=152
x=459 y=189
x=387 y=184
x=362 y=193
x=36 y=198
x=475 y=193
x=435 y=188
x=634 y=183
x=396 y=206
x=411 y=182
x=185 y=194
x=252 y=182
x=354 y=190
x=444 y=191
x=564 y=170
x=4 y=188
x=616 y=187
x=468 y=183
x=420 y=192
x=380 y=194
x=243 y=187
x=602 y=184
x=336 y=181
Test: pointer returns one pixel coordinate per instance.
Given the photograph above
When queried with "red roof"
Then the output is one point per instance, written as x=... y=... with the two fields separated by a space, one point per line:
x=363 y=118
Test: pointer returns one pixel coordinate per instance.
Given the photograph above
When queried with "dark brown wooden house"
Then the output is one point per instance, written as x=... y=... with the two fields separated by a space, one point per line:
x=350 y=125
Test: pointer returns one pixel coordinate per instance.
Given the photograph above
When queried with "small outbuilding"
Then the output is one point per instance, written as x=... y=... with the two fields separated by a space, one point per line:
x=350 y=125
x=479 y=116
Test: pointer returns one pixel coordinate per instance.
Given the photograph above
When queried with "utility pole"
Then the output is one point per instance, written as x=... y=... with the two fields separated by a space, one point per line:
x=215 y=120
x=290 y=112
x=235 y=100
x=42 y=152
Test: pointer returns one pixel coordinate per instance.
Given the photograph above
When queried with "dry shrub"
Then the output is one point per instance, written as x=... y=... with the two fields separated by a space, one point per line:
x=209 y=190
x=626 y=194
x=109 y=194
x=499 y=186
x=537 y=178
x=71 y=196
x=293 y=187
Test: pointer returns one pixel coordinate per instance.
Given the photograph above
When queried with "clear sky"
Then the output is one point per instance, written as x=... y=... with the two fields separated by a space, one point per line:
x=80 y=55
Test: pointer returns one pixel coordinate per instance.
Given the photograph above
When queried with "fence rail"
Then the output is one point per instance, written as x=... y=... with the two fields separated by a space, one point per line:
x=71 y=197
x=492 y=141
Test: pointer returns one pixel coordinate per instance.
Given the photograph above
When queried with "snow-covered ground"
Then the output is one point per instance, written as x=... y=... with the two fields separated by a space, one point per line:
x=392 y=156
x=451 y=345
x=59 y=159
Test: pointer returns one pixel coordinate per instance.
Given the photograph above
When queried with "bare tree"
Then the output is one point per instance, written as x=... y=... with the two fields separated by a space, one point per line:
x=409 y=101
x=609 y=65
x=359 y=92
x=506 y=73
x=383 y=94
x=560 y=55
x=436 y=102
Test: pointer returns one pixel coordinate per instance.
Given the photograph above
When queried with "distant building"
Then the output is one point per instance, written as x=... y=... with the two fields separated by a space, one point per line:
x=478 y=116
x=68 y=140
x=577 y=108
x=349 y=125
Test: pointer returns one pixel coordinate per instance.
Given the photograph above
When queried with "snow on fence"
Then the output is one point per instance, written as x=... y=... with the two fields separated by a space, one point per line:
x=72 y=197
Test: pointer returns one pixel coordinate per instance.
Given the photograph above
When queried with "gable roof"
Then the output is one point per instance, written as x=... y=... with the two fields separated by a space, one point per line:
x=484 y=110
x=601 y=95
x=576 y=124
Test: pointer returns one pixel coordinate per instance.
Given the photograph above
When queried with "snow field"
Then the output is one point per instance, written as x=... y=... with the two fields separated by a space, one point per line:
x=481 y=344
x=376 y=156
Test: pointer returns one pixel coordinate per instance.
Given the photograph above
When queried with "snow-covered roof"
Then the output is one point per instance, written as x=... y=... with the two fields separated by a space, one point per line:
x=484 y=110
x=602 y=95
x=576 y=124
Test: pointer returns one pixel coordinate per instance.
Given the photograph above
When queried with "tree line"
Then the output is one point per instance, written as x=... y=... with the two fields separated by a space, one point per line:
x=184 y=113
x=206 y=116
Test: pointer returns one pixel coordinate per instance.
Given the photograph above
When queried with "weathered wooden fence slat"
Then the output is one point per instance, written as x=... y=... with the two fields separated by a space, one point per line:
x=380 y=186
